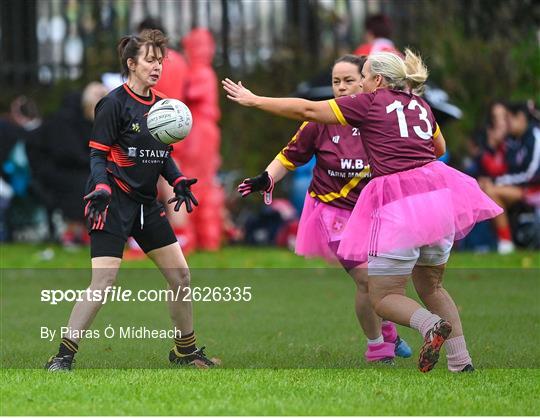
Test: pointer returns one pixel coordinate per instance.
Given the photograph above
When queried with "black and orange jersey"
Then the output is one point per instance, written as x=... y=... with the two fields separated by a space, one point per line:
x=135 y=159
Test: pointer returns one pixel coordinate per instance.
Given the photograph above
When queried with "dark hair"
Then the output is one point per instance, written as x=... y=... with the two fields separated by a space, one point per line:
x=129 y=46
x=26 y=107
x=358 y=60
x=491 y=106
x=151 y=23
x=379 y=25
x=518 y=107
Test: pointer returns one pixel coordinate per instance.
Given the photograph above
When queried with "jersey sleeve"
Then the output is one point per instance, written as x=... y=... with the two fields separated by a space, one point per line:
x=352 y=110
x=432 y=120
x=98 y=167
x=170 y=171
x=436 y=131
x=107 y=122
x=300 y=148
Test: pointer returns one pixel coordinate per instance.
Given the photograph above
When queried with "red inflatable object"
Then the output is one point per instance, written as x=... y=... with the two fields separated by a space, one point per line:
x=172 y=82
x=199 y=154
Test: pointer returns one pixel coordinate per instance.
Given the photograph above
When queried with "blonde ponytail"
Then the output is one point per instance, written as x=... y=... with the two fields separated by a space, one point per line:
x=400 y=74
x=416 y=73
x=391 y=67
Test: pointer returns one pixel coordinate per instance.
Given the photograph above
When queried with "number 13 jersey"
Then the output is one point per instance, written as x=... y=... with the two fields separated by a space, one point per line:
x=397 y=128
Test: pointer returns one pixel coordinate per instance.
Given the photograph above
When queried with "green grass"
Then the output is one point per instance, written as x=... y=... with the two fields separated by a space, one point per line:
x=294 y=349
x=32 y=256
x=270 y=392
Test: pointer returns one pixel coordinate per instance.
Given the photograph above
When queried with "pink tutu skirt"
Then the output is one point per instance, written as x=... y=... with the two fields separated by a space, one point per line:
x=320 y=229
x=414 y=208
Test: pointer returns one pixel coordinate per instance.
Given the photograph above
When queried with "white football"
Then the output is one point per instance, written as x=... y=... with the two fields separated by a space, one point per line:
x=169 y=121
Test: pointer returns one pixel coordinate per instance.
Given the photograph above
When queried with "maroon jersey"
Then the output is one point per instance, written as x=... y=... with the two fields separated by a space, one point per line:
x=397 y=128
x=341 y=170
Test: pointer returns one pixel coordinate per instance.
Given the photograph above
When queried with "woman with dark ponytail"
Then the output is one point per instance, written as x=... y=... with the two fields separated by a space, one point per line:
x=126 y=162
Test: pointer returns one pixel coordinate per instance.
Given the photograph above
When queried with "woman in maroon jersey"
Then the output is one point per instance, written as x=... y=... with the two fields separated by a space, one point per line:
x=121 y=201
x=413 y=208
x=339 y=175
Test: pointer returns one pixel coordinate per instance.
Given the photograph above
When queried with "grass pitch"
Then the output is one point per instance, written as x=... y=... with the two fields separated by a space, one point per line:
x=294 y=349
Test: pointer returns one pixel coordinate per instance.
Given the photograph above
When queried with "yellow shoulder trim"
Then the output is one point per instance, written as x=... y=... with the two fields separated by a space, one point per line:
x=281 y=157
x=302 y=126
x=437 y=131
x=295 y=137
x=337 y=111
x=285 y=161
x=328 y=197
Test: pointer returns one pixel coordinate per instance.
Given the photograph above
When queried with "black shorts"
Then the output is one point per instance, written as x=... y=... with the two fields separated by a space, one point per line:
x=146 y=223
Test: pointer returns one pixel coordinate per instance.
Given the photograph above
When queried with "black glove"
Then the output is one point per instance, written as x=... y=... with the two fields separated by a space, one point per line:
x=263 y=183
x=97 y=206
x=182 y=193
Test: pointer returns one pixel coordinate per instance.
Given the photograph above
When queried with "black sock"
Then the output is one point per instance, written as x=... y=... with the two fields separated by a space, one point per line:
x=67 y=348
x=186 y=344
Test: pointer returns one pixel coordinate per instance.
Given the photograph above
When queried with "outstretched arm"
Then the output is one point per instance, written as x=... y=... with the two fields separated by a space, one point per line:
x=277 y=170
x=288 y=107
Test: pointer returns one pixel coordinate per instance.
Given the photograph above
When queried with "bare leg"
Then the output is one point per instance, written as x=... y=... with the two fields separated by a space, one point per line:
x=387 y=295
x=172 y=264
x=428 y=284
x=104 y=272
x=504 y=196
x=368 y=319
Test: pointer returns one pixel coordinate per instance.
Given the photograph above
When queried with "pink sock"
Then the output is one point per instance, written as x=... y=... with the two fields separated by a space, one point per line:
x=456 y=354
x=389 y=331
x=423 y=320
x=376 y=352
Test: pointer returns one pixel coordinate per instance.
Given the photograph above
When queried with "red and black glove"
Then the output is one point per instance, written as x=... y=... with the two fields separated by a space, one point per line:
x=182 y=193
x=97 y=206
x=263 y=183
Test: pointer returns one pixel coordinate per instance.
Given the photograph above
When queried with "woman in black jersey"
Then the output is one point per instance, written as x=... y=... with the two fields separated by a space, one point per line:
x=121 y=201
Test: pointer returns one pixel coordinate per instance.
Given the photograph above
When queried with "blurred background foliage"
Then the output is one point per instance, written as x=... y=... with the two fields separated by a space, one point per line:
x=476 y=50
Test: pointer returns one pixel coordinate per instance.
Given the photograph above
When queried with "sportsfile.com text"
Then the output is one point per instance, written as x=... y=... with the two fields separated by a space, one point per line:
x=119 y=294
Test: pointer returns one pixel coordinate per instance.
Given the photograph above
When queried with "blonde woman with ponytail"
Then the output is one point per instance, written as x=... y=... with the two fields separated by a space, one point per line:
x=399 y=74
x=408 y=216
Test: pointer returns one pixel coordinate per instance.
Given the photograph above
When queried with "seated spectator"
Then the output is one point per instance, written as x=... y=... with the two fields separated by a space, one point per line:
x=486 y=148
x=492 y=158
x=521 y=182
x=9 y=135
x=18 y=131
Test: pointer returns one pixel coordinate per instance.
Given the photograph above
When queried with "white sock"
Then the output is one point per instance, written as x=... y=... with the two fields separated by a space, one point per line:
x=378 y=340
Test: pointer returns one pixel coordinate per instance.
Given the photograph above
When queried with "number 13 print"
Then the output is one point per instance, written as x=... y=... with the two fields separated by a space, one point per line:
x=402 y=121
